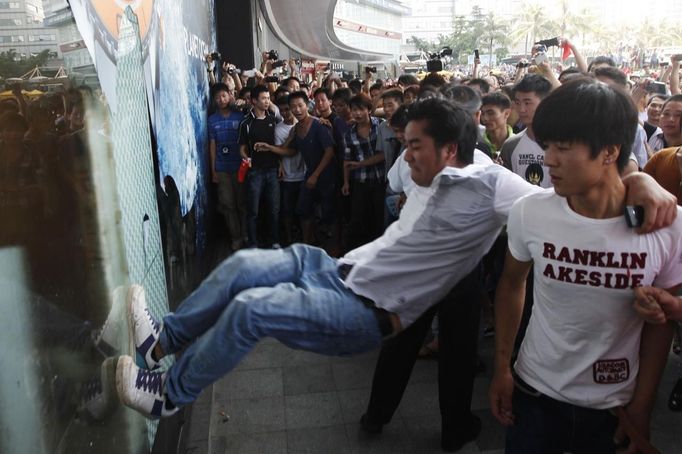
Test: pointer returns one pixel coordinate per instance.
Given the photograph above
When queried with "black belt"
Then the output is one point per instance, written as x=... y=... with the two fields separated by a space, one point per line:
x=382 y=316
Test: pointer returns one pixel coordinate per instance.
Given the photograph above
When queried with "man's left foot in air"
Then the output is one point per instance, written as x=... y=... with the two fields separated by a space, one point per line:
x=142 y=390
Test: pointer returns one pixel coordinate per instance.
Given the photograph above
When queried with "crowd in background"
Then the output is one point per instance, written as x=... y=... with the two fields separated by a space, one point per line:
x=322 y=158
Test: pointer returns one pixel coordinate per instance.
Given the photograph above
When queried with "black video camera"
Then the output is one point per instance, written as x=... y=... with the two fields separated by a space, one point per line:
x=371 y=69
x=278 y=63
x=215 y=56
x=273 y=55
x=434 y=64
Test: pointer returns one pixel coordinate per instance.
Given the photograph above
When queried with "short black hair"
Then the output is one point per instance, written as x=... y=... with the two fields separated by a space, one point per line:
x=323 y=91
x=282 y=100
x=361 y=101
x=257 y=90
x=573 y=71
x=600 y=60
x=464 y=96
x=217 y=88
x=446 y=123
x=355 y=86
x=289 y=79
x=673 y=98
x=376 y=86
x=589 y=112
x=342 y=94
x=433 y=80
x=408 y=79
x=414 y=91
x=393 y=93
x=399 y=119
x=281 y=92
x=482 y=83
x=244 y=91
x=533 y=83
x=496 y=98
x=657 y=96
x=613 y=74
x=299 y=94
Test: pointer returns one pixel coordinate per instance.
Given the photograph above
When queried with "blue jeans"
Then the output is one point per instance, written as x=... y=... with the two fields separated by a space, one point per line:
x=543 y=425
x=263 y=181
x=294 y=295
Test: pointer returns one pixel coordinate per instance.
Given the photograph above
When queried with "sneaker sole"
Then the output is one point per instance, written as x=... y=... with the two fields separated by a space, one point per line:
x=133 y=294
x=123 y=365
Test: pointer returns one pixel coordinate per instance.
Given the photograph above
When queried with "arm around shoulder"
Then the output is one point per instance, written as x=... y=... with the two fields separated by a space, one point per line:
x=507 y=149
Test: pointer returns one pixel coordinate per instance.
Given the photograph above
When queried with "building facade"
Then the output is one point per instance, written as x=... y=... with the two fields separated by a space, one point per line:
x=22 y=28
x=429 y=20
x=70 y=43
x=374 y=25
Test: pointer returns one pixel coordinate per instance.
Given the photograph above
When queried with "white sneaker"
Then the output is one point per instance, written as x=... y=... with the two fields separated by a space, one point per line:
x=276 y=246
x=142 y=390
x=143 y=329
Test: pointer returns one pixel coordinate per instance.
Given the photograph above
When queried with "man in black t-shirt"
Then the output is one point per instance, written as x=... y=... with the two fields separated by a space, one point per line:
x=259 y=127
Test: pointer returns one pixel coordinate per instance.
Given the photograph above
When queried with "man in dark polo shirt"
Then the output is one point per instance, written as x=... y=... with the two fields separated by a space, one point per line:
x=314 y=141
x=259 y=128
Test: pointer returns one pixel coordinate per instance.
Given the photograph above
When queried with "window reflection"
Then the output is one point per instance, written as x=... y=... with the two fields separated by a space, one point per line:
x=64 y=289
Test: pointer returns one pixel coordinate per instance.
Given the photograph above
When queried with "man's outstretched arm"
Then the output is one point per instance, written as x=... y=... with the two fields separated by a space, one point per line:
x=660 y=206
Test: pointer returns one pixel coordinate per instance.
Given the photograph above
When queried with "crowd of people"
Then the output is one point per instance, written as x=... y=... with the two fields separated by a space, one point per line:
x=407 y=185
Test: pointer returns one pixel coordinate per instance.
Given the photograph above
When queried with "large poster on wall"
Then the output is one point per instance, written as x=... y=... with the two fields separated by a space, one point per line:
x=175 y=37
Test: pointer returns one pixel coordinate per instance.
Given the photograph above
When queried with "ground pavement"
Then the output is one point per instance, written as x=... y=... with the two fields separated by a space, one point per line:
x=285 y=401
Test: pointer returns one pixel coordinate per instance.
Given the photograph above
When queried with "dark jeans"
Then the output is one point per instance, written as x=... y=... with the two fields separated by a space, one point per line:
x=323 y=194
x=543 y=425
x=366 y=212
x=290 y=191
x=263 y=182
x=459 y=317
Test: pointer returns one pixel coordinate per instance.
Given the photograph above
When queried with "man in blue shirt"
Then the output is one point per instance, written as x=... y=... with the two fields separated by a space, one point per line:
x=223 y=147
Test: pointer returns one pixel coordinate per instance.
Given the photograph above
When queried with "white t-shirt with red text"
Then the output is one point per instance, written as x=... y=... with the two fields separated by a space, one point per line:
x=582 y=342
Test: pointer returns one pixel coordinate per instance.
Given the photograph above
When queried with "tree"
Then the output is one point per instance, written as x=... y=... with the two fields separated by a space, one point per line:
x=495 y=31
x=466 y=35
x=421 y=44
x=533 y=23
x=11 y=65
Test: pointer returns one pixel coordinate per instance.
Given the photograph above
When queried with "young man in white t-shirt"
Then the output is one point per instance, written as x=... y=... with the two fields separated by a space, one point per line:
x=521 y=154
x=291 y=170
x=586 y=351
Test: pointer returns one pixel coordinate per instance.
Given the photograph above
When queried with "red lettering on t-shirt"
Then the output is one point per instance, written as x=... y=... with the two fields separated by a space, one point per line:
x=581 y=256
x=597 y=259
x=565 y=274
x=549 y=251
x=580 y=277
x=549 y=271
